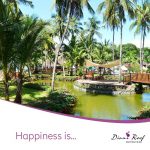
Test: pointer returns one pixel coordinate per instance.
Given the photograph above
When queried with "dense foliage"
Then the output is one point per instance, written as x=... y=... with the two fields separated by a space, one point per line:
x=27 y=44
x=58 y=101
x=34 y=86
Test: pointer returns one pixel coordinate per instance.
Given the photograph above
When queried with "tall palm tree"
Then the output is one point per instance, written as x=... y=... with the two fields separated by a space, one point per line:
x=142 y=25
x=110 y=17
x=68 y=10
x=92 y=30
x=75 y=27
x=121 y=7
x=27 y=36
x=59 y=25
x=8 y=22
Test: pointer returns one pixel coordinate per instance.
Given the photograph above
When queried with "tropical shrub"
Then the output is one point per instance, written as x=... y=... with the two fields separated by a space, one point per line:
x=34 y=86
x=143 y=114
x=57 y=101
x=80 y=72
x=62 y=101
x=59 y=73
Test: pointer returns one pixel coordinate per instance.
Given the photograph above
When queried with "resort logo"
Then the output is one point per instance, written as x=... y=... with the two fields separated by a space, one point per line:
x=128 y=137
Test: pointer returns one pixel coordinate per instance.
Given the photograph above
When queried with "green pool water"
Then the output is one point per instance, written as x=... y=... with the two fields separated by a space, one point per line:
x=105 y=106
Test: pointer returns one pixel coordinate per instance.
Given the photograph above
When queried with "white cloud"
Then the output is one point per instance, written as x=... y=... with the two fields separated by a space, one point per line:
x=137 y=42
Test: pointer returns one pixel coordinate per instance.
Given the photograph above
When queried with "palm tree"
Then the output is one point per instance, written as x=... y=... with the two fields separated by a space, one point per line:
x=93 y=28
x=91 y=31
x=75 y=54
x=27 y=37
x=26 y=2
x=59 y=25
x=68 y=9
x=142 y=25
x=9 y=20
x=44 y=49
x=110 y=17
x=102 y=52
x=8 y=23
x=74 y=47
x=121 y=7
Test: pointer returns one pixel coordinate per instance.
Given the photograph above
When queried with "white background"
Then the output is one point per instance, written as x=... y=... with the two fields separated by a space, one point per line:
x=90 y=135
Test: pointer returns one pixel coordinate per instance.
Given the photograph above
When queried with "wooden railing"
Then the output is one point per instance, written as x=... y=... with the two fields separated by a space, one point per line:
x=137 y=78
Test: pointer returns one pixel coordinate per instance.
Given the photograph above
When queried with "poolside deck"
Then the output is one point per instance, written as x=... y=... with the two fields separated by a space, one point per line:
x=105 y=82
x=104 y=87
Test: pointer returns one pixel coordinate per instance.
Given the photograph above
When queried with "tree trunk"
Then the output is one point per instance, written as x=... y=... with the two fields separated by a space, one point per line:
x=64 y=71
x=76 y=69
x=63 y=66
x=71 y=71
x=45 y=64
x=143 y=48
x=141 y=65
x=6 y=85
x=50 y=67
x=18 y=98
x=120 y=52
x=54 y=68
x=29 y=71
x=113 y=46
x=36 y=70
x=59 y=47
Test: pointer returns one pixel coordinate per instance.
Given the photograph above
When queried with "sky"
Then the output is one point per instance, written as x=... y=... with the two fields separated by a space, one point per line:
x=44 y=9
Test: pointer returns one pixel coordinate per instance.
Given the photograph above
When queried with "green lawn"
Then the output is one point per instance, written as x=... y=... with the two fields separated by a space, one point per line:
x=39 y=96
x=31 y=94
x=28 y=93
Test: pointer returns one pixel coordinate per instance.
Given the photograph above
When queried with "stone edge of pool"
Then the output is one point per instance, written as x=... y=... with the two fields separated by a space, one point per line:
x=109 y=88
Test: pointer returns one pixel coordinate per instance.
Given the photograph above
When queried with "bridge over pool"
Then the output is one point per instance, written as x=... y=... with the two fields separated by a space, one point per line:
x=143 y=78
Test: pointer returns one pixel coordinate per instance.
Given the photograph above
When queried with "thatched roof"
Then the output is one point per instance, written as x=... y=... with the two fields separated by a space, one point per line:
x=107 y=65
x=89 y=63
x=111 y=64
